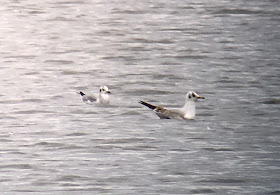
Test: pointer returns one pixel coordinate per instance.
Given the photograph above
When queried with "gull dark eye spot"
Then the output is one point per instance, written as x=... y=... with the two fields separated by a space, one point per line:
x=193 y=95
x=190 y=96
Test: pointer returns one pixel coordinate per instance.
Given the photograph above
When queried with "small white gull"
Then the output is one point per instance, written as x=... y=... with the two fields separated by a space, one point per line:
x=101 y=98
x=186 y=112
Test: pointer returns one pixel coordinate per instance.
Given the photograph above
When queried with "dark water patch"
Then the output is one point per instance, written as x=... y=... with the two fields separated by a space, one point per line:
x=232 y=86
x=50 y=144
x=137 y=49
x=60 y=19
x=205 y=114
x=179 y=150
x=36 y=12
x=76 y=134
x=31 y=73
x=224 y=181
x=65 y=51
x=271 y=101
x=191 y=56
x=259 y=114
x=132 y=12
x=219 y=149
x=4 y=140
x=90 y=112
x=210 y=32
x=139 y=148
x=164 y=41
x=25 y=191
x=72 y=178
x=73 y=147
x=114 y=179
x=85 y=190
x=226 y=58
x=239 y=11
x=197 y=138
x=43 y=183
x=166 y=180
x=4 y=180
x=277 y=192
x=125 y=140
x=16 y=152
x=58 y=146
x=10 y=101
x=225 y=41
x=41 y=132
x=105 y=147
x=32 y=112
x=69 y=184
x=70 y=72
x=128 y=58
x=180 y=173
x=152 y=41
x=169 y=62
x=32 y=100
x=64 y=62
x=57 y=97
x=18 y=57
x=16 y=166
x=228 y=80
x=186 y=7
x=202 y=191
x=229 y=48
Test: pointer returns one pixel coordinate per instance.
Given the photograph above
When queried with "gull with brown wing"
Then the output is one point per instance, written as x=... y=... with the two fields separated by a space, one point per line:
x=186 y=112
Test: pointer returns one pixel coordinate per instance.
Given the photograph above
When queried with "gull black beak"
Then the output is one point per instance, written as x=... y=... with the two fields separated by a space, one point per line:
x=109 y=92
x=200 y=97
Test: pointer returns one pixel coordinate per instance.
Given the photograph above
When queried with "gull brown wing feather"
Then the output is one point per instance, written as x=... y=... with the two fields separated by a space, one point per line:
x=153 y=107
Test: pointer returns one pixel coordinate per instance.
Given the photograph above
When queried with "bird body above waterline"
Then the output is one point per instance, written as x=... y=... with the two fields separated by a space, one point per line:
x=101 y=98
x=186 y=112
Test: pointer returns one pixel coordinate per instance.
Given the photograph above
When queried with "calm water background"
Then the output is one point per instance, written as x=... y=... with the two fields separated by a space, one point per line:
x=227 y=51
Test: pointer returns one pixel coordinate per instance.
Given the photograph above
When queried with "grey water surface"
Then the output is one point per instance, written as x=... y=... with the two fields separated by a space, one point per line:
x=53 y=143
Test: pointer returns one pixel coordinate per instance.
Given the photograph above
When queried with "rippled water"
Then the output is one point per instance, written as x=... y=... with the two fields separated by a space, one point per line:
x=227 y=51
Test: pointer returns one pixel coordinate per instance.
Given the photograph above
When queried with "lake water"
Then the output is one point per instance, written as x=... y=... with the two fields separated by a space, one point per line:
x=156 y=51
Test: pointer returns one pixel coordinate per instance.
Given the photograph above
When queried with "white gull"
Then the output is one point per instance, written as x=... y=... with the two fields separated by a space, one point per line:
x=101 y=98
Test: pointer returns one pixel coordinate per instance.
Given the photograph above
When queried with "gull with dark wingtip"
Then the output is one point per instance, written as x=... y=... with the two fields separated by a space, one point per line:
x=101 y=98
x=186 y=112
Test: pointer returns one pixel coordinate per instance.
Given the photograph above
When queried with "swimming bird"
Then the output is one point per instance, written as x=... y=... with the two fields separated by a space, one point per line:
x=101 y=98
x=186 y=112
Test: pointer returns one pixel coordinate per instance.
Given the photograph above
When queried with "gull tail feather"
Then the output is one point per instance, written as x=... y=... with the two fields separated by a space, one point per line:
x=148 y=105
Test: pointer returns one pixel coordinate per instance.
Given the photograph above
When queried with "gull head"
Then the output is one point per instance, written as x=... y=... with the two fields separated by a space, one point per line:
x=104 y=90
x=191 y=95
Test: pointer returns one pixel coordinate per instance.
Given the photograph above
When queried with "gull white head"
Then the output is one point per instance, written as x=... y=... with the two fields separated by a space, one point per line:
x=192 y=96
x=104 y=90
x=104 y=95
x=189 y=107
